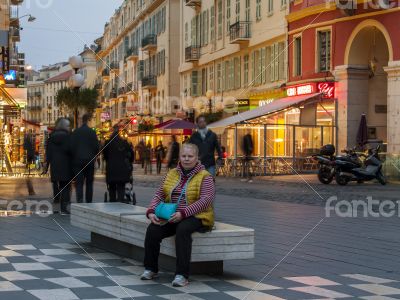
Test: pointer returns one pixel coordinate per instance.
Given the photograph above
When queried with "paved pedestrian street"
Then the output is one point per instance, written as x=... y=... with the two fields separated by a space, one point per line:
x=300 y=253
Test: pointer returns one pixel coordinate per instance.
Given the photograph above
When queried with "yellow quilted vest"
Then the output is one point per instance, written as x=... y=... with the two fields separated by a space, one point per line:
x=192 y=193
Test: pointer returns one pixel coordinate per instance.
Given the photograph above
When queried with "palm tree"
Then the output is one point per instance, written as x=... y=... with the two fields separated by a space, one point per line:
x=76 y=99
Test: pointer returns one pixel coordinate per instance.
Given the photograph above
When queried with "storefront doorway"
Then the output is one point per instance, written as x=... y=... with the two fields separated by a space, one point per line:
x=363 y=85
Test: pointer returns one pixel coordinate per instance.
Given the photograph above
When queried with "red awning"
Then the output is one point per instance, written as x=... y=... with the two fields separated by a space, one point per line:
x=178 y=124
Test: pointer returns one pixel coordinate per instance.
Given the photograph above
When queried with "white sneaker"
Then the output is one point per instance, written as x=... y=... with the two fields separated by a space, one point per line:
x=180 y=281
x=148 y=275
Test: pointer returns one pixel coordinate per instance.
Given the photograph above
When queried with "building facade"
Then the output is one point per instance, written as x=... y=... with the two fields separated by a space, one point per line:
x=232 y=48
x=138 y=60
x=353 y=45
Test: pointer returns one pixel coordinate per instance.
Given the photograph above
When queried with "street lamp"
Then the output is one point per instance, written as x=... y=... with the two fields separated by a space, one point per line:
x=30 y=19
x=209 y=95
x=76 y=81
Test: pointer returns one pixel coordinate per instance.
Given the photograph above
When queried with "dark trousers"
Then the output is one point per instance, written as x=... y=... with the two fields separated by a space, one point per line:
x=159 y=161
x=246 y=168
x=116 y=191
x=84 y=175
x=62 y=193
x=147 y=166
x=183 y=244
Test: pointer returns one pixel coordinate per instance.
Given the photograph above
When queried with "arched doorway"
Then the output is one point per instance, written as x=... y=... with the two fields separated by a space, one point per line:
x=362 y=84
x=369 y=49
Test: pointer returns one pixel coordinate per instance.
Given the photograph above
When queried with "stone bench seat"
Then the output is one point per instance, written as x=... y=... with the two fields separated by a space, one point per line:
x=121 y=228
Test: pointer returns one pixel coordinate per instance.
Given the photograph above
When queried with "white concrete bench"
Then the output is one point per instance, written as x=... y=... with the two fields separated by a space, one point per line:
x=121 y=228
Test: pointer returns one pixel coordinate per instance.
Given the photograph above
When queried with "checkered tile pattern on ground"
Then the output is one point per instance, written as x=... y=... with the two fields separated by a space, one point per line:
x=64 y=271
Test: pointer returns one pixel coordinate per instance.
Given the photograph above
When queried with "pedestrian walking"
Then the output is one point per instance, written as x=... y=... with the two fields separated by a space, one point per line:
x=207 y=142
x=173 y=153
x=247 y=148
x=85 y=148
x=147 y=159
x=160 y=154
x=58 y=159
x=192 y=189
x=118 y=156
x=140 y=148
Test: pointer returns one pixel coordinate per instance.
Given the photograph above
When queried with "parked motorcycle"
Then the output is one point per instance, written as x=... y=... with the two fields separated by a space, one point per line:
x=326 y=162
x=350 y=168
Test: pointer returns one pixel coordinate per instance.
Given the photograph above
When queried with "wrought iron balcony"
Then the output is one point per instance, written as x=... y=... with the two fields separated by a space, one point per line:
x=240 y=32
x=132 y=54
x=113 y=93
x=105 y=73
x=149 y=82
x=192 y=53
x=149 y=42
x=131 y=87
x=114 y=67
x=193 y=3
x=121 y=91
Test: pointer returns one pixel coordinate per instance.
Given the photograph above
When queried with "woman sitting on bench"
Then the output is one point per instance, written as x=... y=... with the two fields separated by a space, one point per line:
x=192 y=189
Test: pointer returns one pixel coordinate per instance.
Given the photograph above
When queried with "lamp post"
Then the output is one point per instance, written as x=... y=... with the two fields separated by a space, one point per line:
x=76 y=81
x=210 y=95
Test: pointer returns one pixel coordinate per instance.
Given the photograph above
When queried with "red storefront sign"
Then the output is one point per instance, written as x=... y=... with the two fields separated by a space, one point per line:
x=327 y=88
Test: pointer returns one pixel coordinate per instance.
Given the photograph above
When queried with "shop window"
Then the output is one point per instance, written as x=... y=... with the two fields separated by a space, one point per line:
x=211 y=77
x=297 y=56
x=324 y=51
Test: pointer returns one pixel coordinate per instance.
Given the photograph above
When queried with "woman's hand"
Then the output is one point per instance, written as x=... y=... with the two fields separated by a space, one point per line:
x=153 y=218
x=176 y=217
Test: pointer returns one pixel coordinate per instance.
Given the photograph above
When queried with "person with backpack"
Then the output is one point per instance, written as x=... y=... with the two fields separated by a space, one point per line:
x=118 y=156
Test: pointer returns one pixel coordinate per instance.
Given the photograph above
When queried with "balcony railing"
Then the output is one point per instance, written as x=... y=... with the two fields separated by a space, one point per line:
x=193 y=3
x=131 y=87
x=149 y=82
x=114 y=66
x=121 y=91
x=105 y=73
x=192 y=53
x=113 y=93
x=132 y=53
x=240 y=32
x=149 y=42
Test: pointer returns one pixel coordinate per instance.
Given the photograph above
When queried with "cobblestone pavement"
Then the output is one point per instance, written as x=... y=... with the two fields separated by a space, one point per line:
x=342 y=258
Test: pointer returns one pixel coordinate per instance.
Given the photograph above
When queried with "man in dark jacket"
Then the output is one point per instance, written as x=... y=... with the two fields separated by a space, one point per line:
x=173 y=153
x=207 y=142
x=248 y=148
x=118 y=156
x=85 y=146
x=58 y=158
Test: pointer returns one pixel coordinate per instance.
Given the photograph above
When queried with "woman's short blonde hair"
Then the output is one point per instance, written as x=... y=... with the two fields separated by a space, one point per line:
x=190 y=146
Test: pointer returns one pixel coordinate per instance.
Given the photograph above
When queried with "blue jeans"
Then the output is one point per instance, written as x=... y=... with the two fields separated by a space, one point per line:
x=211 y=170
